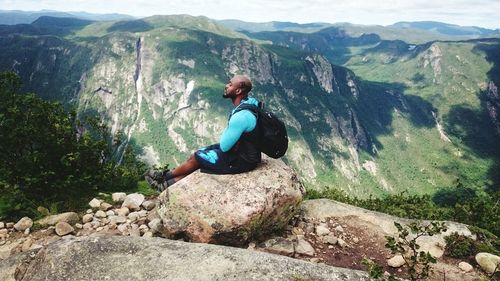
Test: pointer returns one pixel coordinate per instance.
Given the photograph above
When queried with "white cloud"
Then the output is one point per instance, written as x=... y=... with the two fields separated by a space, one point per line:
x=463 y=12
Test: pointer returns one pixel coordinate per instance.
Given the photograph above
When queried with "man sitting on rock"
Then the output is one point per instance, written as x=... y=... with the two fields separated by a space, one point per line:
x=235 y=152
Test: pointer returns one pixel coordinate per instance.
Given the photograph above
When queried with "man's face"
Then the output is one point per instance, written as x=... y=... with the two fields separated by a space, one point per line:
x=232 y=89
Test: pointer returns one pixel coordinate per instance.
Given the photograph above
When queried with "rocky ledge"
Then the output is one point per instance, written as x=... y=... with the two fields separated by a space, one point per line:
x=133 y=258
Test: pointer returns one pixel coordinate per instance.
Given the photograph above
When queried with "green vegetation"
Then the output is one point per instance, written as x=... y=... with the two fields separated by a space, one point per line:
x=418 y=263
x=380 y=128
x=465 y=205
x=50 y=158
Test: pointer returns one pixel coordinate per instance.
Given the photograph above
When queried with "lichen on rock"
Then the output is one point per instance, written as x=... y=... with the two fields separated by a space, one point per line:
x=231 y=209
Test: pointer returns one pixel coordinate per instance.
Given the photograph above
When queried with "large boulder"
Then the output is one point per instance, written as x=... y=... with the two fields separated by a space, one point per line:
x=134 y=258
x=69 y=217
x=231 y=209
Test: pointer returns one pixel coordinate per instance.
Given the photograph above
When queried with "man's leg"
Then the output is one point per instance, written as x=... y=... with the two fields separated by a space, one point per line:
x=185 y=168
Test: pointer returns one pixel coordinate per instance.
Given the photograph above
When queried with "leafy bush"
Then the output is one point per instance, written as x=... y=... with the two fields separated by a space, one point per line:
x=459 y=246
x=418 y=263
x=49 y=158
x=460 y=204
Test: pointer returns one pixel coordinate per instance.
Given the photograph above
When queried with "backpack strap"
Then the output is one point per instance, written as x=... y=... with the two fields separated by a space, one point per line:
x=250 y=107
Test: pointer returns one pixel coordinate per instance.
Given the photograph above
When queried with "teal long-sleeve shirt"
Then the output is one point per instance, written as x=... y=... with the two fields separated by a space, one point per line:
x=243 y=121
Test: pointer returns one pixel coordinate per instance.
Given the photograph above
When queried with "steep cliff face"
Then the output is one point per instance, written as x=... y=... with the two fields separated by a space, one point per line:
x=167 y=101
x=158 y=86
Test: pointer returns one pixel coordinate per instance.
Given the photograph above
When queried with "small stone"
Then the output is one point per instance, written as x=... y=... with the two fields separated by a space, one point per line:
x=309 y=228
x=143 y=214
x=396 y=261
x=64 y=228
x=9 y=225
x=303 y=247
x=2 y=225
x=133 y=201
x=95 y=203
x=342 y=243
x=124 y=211
x=155 y=225
x=69 y=217
x=42 y=210
x=118 y=197
x=89 y=211
x=148 y=205
x=488 y=262
x=105 y=206
x=122 y=228
x=133 y=216
x=330 y=239
x=27 y=231
x=464 y=266
x=99 y=228
x=322 y=230
x=87 y=225
x=143 y=228
x=279 y=246
x=330 y=247
x=251 y=246
x=148 y=234
x=95 y=224
x=79 y=225
x=117 y=220
x=26 y=245
x=100 y=214
x=339 y=228
x=110 y=213
x=23 y=224
x=314 y=260
x=2 y=242
x=355 y=239
x=133 y=207
x=135 y=232
x=87 y=218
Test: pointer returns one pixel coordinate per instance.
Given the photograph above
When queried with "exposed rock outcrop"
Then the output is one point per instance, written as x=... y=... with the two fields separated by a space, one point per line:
x=380 y=223
x=231 y=209
x=130 y=258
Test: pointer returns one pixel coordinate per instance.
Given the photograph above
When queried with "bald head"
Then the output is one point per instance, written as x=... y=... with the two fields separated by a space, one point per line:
x=242 y=82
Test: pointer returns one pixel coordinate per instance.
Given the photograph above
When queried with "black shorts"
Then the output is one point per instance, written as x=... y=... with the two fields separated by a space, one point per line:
x=213 y=160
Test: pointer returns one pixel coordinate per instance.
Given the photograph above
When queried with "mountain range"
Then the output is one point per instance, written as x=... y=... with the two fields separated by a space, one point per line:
x=369 y=110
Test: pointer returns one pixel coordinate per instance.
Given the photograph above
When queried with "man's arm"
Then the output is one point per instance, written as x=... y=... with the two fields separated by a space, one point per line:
x=241 y=122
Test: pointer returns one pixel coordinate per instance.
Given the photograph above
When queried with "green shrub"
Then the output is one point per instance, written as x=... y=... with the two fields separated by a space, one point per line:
x=459 y=246
x=50 y=158
x=475 y=208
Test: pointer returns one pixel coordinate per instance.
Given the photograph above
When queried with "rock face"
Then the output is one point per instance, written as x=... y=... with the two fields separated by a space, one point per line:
x=130 y=258
x=230 y=209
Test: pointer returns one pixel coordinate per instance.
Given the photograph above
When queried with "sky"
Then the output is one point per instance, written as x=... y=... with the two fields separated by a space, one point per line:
x=484 y=13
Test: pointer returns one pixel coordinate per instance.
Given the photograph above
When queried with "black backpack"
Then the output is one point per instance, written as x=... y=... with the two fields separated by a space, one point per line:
x=271 y=131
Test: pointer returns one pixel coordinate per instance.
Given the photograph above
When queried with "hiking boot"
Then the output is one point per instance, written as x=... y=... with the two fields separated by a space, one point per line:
x=160 y=187
x=154 y=175
x=159 y=175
